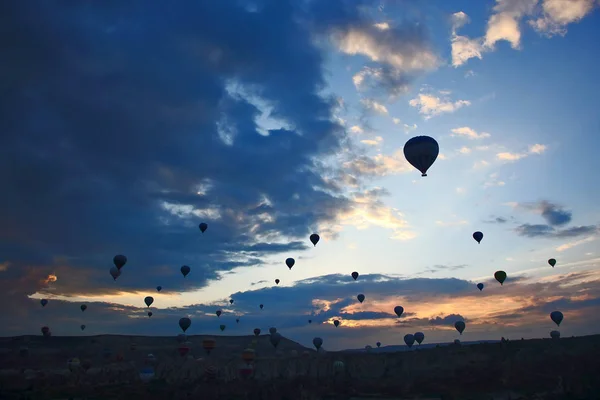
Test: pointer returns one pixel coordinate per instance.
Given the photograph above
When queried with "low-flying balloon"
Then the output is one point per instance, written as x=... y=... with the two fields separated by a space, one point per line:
x=478 y=236
x=149 y=300
x=556 y=317
x=219 y=312
x=275 y=339
x=355 y=275
x=149 y=313
x=158 y=288
x=378 y=344
x=184 y=323
x=261 y=306
x=185 y=270
x=119 y=260
x=421 y=152
x=552 y=262
x=398 y=310
x=314 y=239
x=82 y=327
x=555 y=335
x=222 y=327
x=277 y=281
x=460 y=326
x=336 y=323
x=272 y=330
x=203 y=227
x=409 y=339
x=114 y=272
x=290 y=262
x=83 y=307
x=480 y=286
x=256 y=331
x=317 y=342
x=500 y=276
x=419 y=337
x=43 y=302
x=361 y=297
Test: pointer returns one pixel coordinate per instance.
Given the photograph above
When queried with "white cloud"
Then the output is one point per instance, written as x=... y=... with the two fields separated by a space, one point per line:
x=380 y=165
x=356 y=129
x=430 y=105
x=460 y=190
x=396 y=120
x=570 y=245
x=533 y=149
x=463 y=48
x=372 y=142
x=374 y=106
x=469 y=133
x=409 y=128
x=455 y=222
x=493 y=180
x=557 y=14
x=480 y=164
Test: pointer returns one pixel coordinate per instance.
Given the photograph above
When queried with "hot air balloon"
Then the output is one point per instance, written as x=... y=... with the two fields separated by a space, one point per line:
x=456 y=342
x=248 y=355
x=409 y=340
x=43 y=302
x=555 y=335
x=552 y=262
x=336 y=323
x=261 y=306
x=314 y=239
x=184 y=323
x=556 y=317
x=73 y=364
x=275 y=339
x=45 y=330
x=237 y=320
x=310 y=321
x=256 y=331
x=222 y=327
x=185 y=270
x=230 y=301
x=368 y=348
x=419 y=337
x=149 y=300
x=459 y=326
x=272 y=330
x=317 y=342
x=398 y=310
x=158 y=288
x=290 y=262
x=500 y=276
x=355 y=275
x=338 y=366
x=277 y=281
x=361 y=297
x=211 y=372
x=149 y=313
x=378 y=344
x=421 y=152
x=114 y=272
x=478 y=236
x=83 y=307
x=203 y=227
x=480 y=286
x=218 y=313
x=208 y=345
x=119 y=260
x=82 y=327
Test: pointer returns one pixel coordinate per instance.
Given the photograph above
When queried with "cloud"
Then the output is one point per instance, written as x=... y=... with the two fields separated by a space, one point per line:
x=493 y=180
x=463 y=48
x=373 y=142
x=570 y=245
x=456 y=222
x=374 y=107
x=497 y=220
x=554 y=214
x=557 y=14
x=533 y=149
x=431 y=105
x=437 y=268
x=379 y=165
x=409 y=128
x=469 y=133
x=447 y=320
x=547 y=231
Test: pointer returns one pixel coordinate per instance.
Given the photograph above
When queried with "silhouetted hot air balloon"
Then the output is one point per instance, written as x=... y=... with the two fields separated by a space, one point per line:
x=478 y=236
x=310 y=321
x=149 y=300
x=419 y=337
x=314 y=239
x=45 y=330
x=119 y=260
x=149 y=313
x=277 y=281
x=203 y=227
x=230 y=301
x=114 y=272
x=222 y=327
x=43 y=302
x=275 y=339
x=83 y=307
x=158 y=288
x=248 y=355
x=355 y=275
x=336 y=323
x=237 y=320
x=409 y=339
x=421 y=152
x=256 y=331
x=317 y=342
x=398 y=310
x=219 y=312
x=272 y=330
x=361 y=297
x=552 y=262
x=184 y=323
x=460 y=326
x=480 y=286
x=500 y=276
x=82 y=327
x=290 y=262
x=185 y=270
x=555 y=335
x=261 y=306
x=378 y=344
x=556 y=317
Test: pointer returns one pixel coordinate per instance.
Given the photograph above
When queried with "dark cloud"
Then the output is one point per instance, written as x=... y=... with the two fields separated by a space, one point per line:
x=547 y=231
x=498 y=220
x=124 y=127
x=447 y=320
x=554 y=214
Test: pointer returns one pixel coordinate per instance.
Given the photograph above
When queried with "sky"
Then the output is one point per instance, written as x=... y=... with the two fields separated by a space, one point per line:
x=124 y=125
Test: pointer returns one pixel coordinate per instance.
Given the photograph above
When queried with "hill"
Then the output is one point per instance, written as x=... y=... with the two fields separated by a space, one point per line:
x=397 y=348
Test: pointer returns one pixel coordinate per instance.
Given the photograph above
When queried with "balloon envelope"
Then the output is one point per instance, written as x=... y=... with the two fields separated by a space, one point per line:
x=83 y=307
x=409 y=339
x=218 y=313
x=119 y=260
x=336 y=323
x=500 y=276
x=185 y=270
x=43 y=302
x=290 y=262
x=314 y=239
x=317 y=342
x=149 y=300
x=114 y=272
x=478 y=236
x=184 y=323
x=555 y=335
x=158 y=288
x=203 y=227
x=277 y=281
x=355 y=275
x=419 y=337
x=556 y=317
x=361 y=297
x=552 y=262
x=480 y=286
x=421 y=152
x=256 y=331
x=460 y=326
x=398 y=310
x=272 y=330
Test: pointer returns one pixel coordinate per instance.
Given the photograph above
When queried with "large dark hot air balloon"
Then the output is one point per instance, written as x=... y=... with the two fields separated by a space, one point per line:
x=500 y=276
x=185 y=270
x=478 y=236
x=256 y=331
x=421 y=152
x=219 y=312
x=119 y=260
x=355 y=275
x=556 y=317
x=277 y=281
x=552 y=262
x=459 y=326
x=361 y=297
x=83 y=307
x=203 y=227
x=314 y=239
x=149 y=300
x=398 y=310
x=480 y=286
x=317 y=342
x=336 y=323
x=409 y=339
x=43 y=302
x=184 y=323
x=290 y=262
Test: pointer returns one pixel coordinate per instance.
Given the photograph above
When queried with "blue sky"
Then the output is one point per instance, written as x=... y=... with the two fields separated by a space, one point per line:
x=273 y=120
